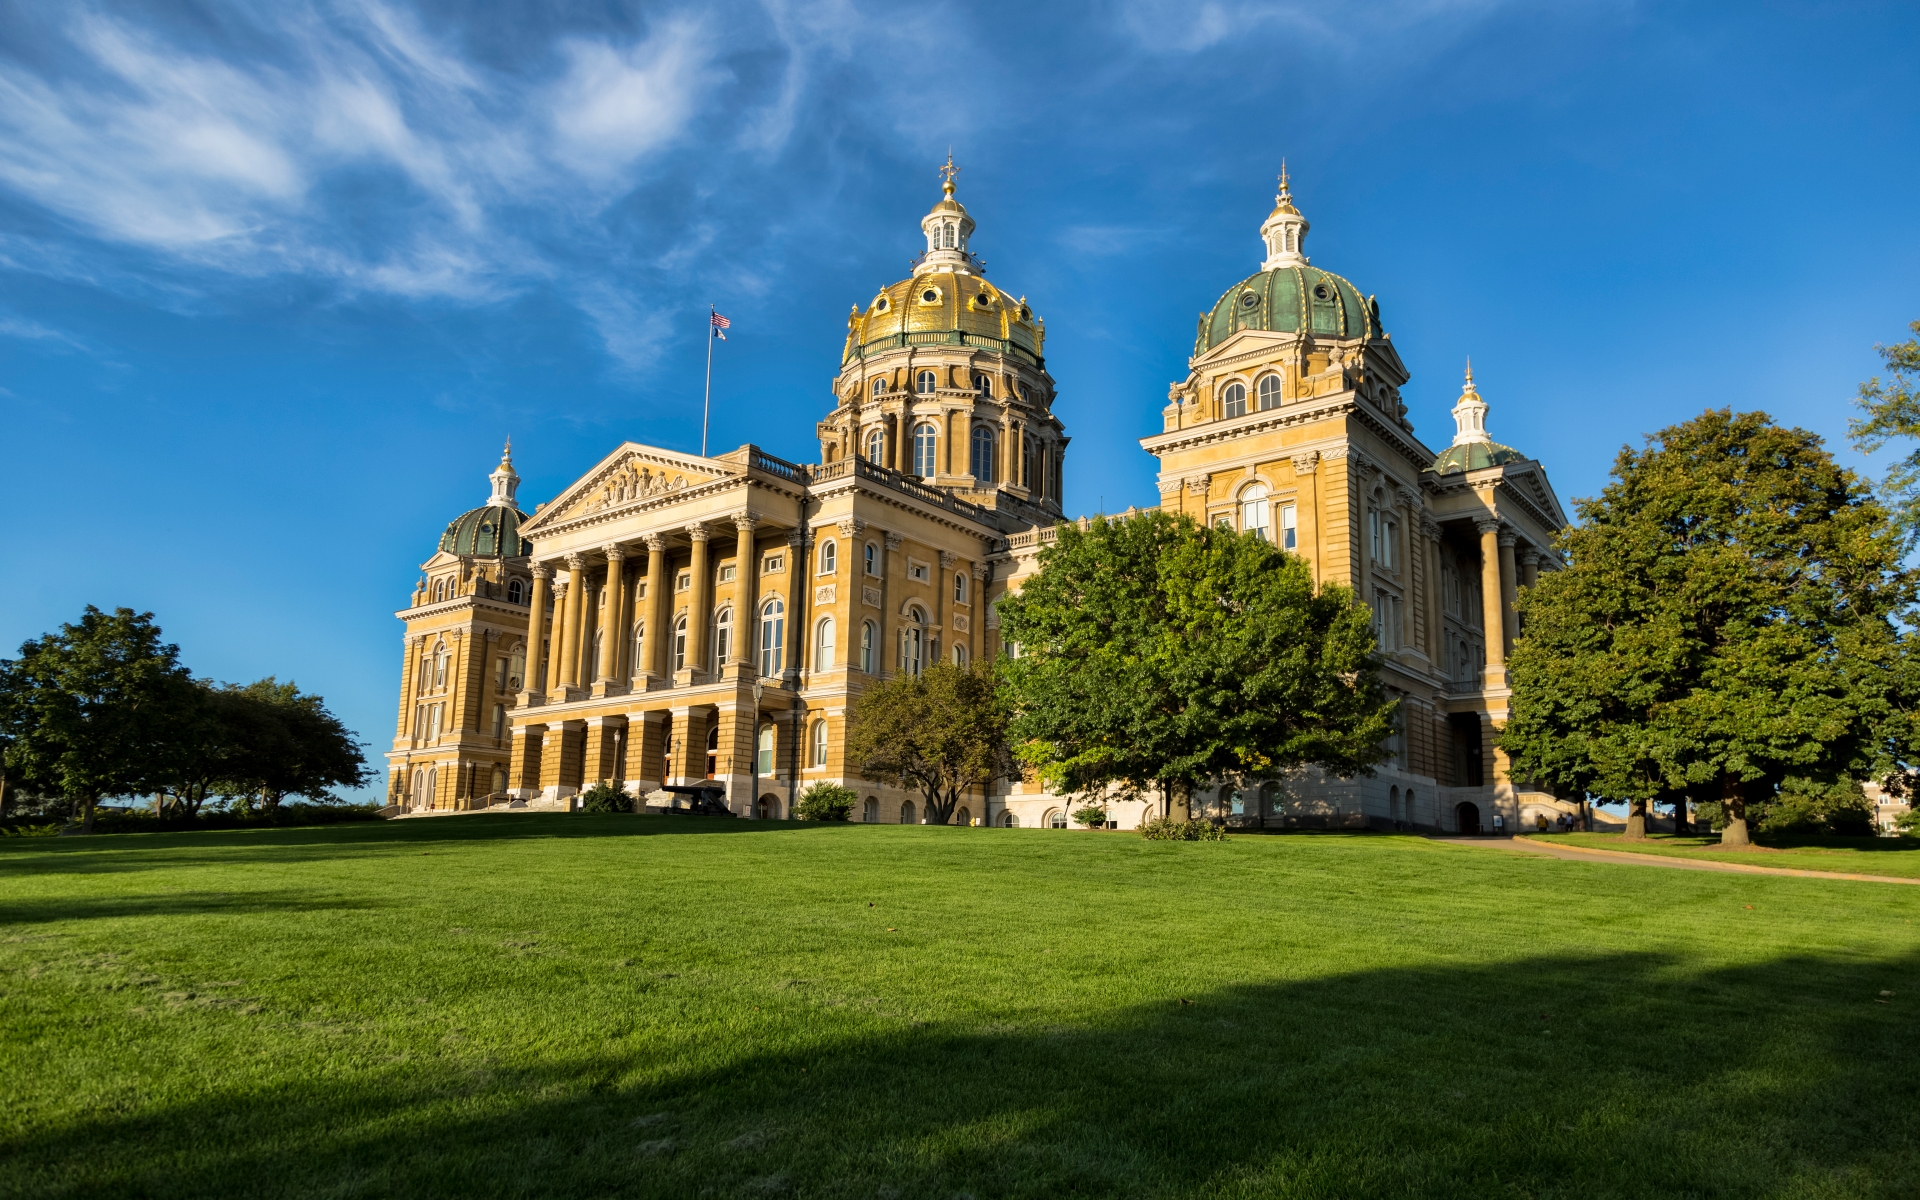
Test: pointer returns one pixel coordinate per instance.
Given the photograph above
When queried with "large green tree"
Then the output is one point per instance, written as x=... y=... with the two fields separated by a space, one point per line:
x=95 y=709
x=1892 y=408
x=942 y=732
x=1732 y=619
x=1154 y=654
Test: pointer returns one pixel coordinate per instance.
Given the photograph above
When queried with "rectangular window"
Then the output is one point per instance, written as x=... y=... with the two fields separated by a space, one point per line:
x=516 y=672
x=640 y=592
x=1373 y=535
x=917 y=571
x=873 y=559
x=775 y=564
x=500 y=674
x=1289 y=533
x=1389 y=539
x=684 y=581
x=726 y=574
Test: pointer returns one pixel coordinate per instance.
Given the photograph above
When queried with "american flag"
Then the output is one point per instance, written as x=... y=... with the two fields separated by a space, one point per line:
x=720 y=325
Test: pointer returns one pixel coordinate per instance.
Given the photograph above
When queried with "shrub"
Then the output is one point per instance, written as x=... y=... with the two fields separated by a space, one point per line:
x=1090 y=815
x=1908 y=823
x=825 y=802
x=605 y=798
x=1167 y=829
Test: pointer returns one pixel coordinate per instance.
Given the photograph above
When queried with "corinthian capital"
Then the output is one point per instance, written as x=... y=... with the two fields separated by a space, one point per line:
x=746 y=521
x=656 y=543
x=541 y=570
x=575 y=562
x=1306 y=464
x=614 y=551
x=697 y=532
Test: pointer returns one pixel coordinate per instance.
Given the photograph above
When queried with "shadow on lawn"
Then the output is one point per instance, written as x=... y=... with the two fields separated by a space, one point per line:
x=1610 y=1076
x=171 y=904
x=120 y=852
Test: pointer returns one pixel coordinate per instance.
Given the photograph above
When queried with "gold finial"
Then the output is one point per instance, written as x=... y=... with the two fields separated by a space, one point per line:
x=1469 y=386
x=506 y=455
x=1283 y=178
x=947 y=172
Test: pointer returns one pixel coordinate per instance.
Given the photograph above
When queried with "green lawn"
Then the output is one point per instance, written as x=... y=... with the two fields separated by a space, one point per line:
x=601 y=1006
x=1851 y=855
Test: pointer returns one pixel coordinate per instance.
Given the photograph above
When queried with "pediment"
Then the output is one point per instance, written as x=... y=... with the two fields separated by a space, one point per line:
x=631 y=474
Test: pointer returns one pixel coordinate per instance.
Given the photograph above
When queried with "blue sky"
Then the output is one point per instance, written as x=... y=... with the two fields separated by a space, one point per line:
x=276 y=280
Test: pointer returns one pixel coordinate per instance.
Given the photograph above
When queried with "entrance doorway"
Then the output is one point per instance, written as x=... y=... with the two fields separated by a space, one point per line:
x=769 y=807
x=1468 y=814
x=713 y=751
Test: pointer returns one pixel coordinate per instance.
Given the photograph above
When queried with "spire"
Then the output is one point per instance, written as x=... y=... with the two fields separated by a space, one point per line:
x=504 y=479
x=1285 y=230
x=948 y=227
x=1470 y=414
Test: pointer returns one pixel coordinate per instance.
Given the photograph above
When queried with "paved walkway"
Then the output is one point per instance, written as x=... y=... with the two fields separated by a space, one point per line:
x=1584 y=854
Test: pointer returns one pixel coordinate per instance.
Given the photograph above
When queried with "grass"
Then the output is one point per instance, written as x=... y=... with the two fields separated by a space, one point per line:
x=1849 y=855
x=626 y=1006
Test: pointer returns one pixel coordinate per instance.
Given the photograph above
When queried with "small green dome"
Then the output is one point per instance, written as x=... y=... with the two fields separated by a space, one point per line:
x=488 y=532
x=1297 y=299
x=1474 y=456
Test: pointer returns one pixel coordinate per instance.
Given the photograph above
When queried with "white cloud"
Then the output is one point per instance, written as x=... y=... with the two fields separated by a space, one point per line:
x=615 y=105
x=34 y=331
x=1183 y=27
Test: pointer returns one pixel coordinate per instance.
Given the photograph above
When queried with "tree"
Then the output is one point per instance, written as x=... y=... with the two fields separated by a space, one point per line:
x=825 y=802
x=1731 y=619
x=304 y=750
x=1157 y=654
x=1893 y=411
x=943 y=731
x=93 y=710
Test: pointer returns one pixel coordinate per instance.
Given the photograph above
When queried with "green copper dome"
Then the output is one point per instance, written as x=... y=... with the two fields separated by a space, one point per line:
x=488 y=532
x=1474 y=456
x=1298 y=299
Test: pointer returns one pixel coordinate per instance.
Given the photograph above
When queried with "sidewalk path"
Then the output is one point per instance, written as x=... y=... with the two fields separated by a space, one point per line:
x=1583 y=854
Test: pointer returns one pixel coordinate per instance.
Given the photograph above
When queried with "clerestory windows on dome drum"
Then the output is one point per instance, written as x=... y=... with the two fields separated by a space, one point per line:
x=946 y=236
x=1269 y=392
x=876 y=446
x=925 y=439
x=925 y=383
x=879 y=388
x=982 y=455
x=982 y=384
x=1234 y=399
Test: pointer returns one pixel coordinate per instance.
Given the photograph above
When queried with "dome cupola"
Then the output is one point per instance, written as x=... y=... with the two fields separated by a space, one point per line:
x=1472 y=449
x=1285 y=230
x=493 y=529
x=947 y=228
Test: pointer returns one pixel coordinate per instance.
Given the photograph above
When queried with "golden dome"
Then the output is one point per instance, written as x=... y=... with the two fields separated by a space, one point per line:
x=944 y=308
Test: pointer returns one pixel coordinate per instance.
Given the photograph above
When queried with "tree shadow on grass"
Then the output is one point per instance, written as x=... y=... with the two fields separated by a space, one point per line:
x=36 y=911
x=122 y=852
x=1623 y=1075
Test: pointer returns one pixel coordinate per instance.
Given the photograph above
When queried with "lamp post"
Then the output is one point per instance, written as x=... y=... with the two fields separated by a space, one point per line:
x=753 y=793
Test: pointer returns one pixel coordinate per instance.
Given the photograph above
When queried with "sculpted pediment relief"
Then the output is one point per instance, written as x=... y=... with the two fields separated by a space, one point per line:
x=632 y=475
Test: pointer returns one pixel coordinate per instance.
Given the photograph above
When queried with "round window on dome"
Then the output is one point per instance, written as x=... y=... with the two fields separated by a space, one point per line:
x=1249 y=299
x=1322 y=292
x=929 y=296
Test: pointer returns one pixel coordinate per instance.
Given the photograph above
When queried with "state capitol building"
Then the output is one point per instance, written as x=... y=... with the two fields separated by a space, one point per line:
x=670 y=618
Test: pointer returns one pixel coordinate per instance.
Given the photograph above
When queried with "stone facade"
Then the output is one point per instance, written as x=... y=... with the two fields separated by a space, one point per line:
x=678 y=617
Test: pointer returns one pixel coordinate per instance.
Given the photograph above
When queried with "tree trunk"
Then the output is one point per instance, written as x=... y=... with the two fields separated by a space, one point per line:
x=86 y=822
x=1680 y=826
x=1733 y=804
x=1636 y=820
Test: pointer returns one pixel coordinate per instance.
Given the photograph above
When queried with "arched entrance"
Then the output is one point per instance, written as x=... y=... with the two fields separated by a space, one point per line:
x=963 y=817
x=769 y=807
x=1468 y=815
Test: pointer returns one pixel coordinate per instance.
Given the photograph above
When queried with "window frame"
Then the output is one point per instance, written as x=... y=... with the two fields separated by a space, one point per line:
x=1232 y=394
x=771 y=656
x=1268 y=389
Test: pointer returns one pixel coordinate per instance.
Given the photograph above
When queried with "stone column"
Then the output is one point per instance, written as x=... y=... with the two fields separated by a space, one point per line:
x=746 y=589
x=659 y=634
x=1509 y=615
x=1411 y=513
x=645 y=746
x=408 y=647
x=688 y=752
x=603 y=749
x=536 y=632
x=699 y=604
x=606 y=671
x=568 y=651
x=1435 y=602
x=1492 y=622
x=1360 y=503
x=731 y=767
x=943 y=604
x=977 y=635
x=555 y=641
x=1529 y=559
x=798 y=650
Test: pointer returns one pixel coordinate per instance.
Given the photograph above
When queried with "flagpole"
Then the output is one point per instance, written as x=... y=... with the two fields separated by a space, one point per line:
x=706 y=407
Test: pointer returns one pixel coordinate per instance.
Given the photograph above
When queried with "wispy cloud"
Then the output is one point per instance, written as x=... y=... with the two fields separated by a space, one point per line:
x=34 y=331
x=1184 y=27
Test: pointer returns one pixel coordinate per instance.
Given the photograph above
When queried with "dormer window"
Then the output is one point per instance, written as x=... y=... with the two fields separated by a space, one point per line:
x=1234 y=399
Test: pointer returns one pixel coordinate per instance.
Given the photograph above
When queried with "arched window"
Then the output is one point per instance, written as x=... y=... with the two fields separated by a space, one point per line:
x=983 y=383
x=1393 y=804
x=946 y=235
x=773 y=635
x=913 y=642
x=1028 y=451
x=925 y=439
x=713 y=750
x=876 y=446
x=818 y=742
x=870 y=811
x=959 y=654
x=639 y=642
x=1056 y=819
x=906 y=813
x=438 y=590
x=829 y=558
x=823 y=644
x=1234 y=398
x=1009 y=821
x=1269 y=392
x=866 y=646
x=1253 y=511
x=680 y=643
x=722 y=637
x=925 y=382
x=433 y=786
x=513 y=591
x=873 y=559
x=764 y=749
x=879 y=388
x=499 y=780
x=440 y=666
x=983 y=454
x=959 y=587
